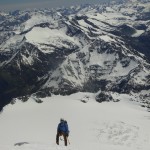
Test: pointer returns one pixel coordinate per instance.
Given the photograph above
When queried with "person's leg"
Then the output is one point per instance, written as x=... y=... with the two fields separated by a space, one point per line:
x=65 y=139
x=57 y=138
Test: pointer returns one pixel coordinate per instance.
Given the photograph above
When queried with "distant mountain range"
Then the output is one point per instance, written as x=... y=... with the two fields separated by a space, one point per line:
x=88 y=48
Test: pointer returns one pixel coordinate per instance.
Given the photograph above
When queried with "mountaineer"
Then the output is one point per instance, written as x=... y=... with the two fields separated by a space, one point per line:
x=62 y=130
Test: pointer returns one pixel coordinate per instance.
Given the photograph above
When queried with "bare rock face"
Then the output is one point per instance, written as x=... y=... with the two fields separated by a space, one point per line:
x=103 y=97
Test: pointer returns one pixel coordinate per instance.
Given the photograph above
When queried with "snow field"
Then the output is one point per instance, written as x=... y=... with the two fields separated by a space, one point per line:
x=92 y=125
x=45 y=36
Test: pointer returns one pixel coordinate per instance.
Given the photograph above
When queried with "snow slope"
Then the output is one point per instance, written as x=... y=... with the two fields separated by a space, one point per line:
x=32 y=126
x=46 y=36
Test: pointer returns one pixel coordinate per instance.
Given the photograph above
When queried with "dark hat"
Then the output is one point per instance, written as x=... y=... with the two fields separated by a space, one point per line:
x=61 y=120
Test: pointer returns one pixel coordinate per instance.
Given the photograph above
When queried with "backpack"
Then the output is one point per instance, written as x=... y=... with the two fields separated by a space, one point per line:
x=63 y=127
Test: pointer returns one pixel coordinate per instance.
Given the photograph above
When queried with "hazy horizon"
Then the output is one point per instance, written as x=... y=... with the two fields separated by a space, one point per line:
x=9 y=5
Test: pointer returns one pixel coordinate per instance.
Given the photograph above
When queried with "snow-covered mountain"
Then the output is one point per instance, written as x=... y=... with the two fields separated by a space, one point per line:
x=90 y=48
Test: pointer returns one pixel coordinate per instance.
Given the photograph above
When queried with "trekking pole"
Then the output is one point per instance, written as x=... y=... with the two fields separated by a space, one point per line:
x=68 y=140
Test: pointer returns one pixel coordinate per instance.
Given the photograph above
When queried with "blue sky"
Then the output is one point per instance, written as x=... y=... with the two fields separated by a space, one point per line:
x=23 y=4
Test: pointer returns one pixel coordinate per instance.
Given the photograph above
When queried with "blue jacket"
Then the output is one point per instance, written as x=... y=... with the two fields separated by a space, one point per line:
x=63 y=127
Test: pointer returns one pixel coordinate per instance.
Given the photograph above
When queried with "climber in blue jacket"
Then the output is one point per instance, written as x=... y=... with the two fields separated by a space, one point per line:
x=62 y=130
